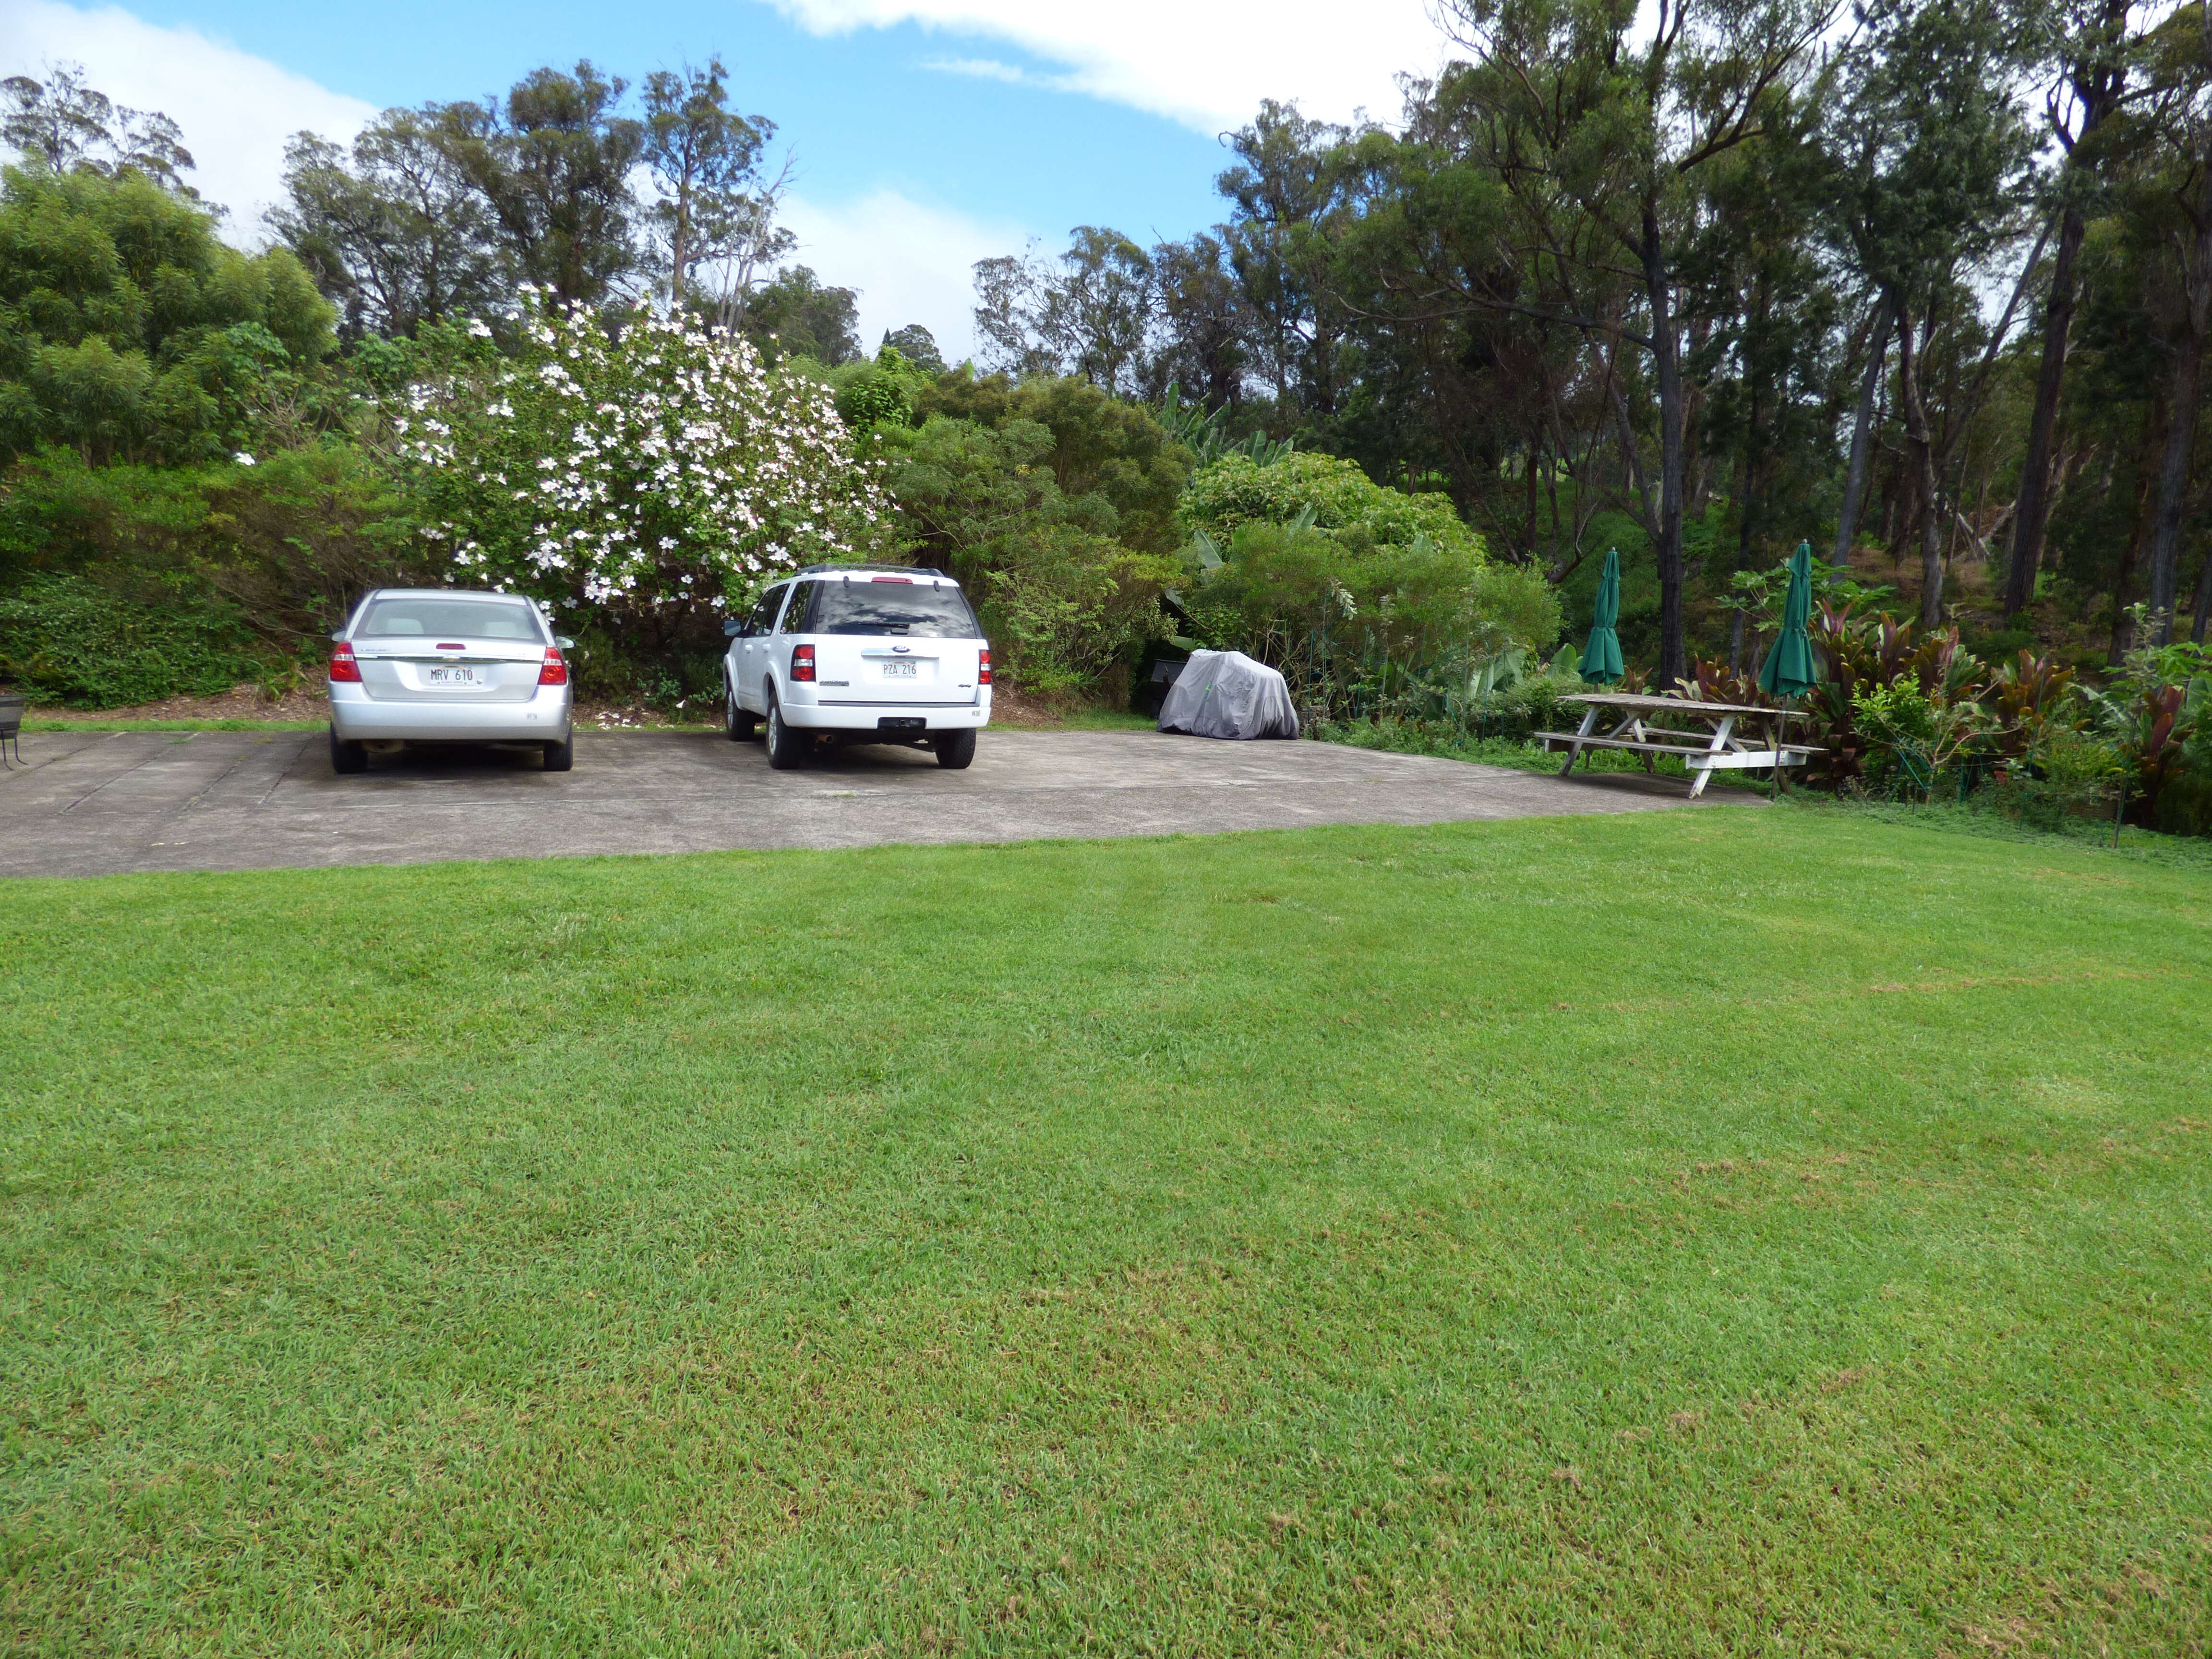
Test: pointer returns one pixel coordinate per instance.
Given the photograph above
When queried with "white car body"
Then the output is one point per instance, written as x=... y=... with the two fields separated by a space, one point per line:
x=444 y=665
x=923 y=680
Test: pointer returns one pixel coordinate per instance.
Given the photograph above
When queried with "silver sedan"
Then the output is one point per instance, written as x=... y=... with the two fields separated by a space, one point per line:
x=417 y=664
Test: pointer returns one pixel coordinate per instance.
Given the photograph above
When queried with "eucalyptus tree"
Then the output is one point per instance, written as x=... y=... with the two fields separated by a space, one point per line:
x=61 y=124
x=1599 y=130
x=1204 y=325
x=1765 y=353
x=1931 y=171
x=1287 y=189
x=2180 y=116
x=1089 y=312
x=705 y=160
x=2086 y=47
x=395 y=233
x=553 y=163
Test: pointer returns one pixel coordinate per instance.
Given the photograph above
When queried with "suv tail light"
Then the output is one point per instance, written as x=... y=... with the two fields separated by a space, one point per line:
x=556 y=671
x=802 y=662
x=343 y=669
x=983 y=666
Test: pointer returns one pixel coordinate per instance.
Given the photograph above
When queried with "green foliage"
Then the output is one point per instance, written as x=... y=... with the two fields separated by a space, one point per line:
x=1041 y=499
x=1309 y=566
x=57 y=512
x=883 y=392
x=1344 y=503
x=799 y=315
x=1111 y=460
x=128 y=331
x=77 y=642
x=1205 y=432
x=288 y=542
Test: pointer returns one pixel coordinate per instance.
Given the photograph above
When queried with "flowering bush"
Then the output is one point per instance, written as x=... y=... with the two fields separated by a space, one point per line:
x=649 y=473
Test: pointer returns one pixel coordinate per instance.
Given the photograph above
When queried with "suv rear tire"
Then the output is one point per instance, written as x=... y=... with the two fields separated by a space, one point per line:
x=562 y=756
x=347 y=757
x=738 y=725
x=955 y=749
x=787 y=749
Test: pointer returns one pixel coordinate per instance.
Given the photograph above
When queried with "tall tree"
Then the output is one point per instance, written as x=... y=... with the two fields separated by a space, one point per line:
x=61 y=124
x=2185 y=115
x=705 y=160
x=1599 y=130
x=553 y=163
x=1930 y=170
x=799 y=315
x=2090 y=51
x=395 y=234
x=1089 y=312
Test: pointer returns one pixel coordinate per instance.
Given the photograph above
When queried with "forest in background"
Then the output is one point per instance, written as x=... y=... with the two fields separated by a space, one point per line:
x=1926 y=284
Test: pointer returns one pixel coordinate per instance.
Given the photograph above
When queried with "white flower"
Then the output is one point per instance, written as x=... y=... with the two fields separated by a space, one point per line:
x=479 y=328
x=243 y=458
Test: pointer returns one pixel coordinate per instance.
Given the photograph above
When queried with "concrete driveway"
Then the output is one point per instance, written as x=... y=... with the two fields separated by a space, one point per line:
x=97 y=802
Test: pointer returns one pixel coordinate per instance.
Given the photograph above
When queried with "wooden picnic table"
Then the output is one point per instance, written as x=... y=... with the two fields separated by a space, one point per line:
x=1707 y=736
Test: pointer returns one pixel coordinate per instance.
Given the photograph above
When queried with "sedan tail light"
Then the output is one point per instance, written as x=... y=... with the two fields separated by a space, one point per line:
x=802 y=662
x=983 y=666
x=556 y=671
x=343 y=669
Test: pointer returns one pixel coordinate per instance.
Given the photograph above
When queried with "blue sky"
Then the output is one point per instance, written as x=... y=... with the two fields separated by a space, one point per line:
x=927 y=133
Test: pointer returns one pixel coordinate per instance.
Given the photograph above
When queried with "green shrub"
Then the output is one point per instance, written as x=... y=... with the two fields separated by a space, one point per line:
x=1238 y=490
x=71 y=639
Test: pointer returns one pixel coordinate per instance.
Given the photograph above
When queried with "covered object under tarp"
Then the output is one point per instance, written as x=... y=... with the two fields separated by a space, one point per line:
x=1224 y=693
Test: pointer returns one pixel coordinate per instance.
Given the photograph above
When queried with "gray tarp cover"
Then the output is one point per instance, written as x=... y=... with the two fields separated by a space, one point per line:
x=1224 y=693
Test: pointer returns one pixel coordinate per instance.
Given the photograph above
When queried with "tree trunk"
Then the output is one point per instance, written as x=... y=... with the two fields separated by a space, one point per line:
x=1667 y=365
x=1921 y=454
x=1847 y=523
x=2032 y=511
x=2123 y=640
x=2181 y=401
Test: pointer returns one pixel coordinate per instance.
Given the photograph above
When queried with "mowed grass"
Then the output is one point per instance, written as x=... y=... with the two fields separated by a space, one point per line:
x=1737 y=1232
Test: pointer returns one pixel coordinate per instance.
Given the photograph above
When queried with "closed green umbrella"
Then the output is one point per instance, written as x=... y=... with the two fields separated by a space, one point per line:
x=1790 y=668
x=1601 y=656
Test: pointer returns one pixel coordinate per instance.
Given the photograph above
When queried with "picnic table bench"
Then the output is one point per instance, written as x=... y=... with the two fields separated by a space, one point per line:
x=1707 y=741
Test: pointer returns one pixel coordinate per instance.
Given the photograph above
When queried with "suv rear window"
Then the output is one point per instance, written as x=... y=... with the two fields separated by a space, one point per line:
x=917 y=611
x=469 y=619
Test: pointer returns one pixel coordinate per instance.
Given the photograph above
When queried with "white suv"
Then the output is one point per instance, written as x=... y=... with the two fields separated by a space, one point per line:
x=858 y=653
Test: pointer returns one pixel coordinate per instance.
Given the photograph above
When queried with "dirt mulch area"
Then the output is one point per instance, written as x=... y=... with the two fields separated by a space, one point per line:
x=1010 y=707
x=240 y=703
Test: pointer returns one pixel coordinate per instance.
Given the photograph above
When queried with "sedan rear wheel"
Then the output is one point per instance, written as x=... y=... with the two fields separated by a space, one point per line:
x=562 y=756
x=787 y=749
x=347 y=757
x=955 y=749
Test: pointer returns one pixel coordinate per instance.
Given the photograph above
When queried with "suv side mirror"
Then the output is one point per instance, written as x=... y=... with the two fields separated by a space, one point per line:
x=336 y=634
x=732 y=627
x=564 y=642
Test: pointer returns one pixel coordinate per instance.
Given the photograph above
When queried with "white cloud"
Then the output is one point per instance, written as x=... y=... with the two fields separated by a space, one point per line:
x=912 y=264
x=1205 y=63
x=980 y=69
x=236 y=110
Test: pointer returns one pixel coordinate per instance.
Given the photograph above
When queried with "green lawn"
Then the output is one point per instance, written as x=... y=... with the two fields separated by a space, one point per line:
x=1737 y=1231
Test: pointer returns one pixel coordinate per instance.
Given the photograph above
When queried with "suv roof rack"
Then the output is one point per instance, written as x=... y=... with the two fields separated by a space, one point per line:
x=895 y=570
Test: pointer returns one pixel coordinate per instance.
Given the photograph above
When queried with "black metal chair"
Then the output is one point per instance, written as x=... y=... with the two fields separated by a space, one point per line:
x=11 y=728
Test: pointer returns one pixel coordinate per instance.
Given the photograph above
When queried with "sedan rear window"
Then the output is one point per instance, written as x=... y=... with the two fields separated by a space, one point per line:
x=916 y=611
x=472 y=619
